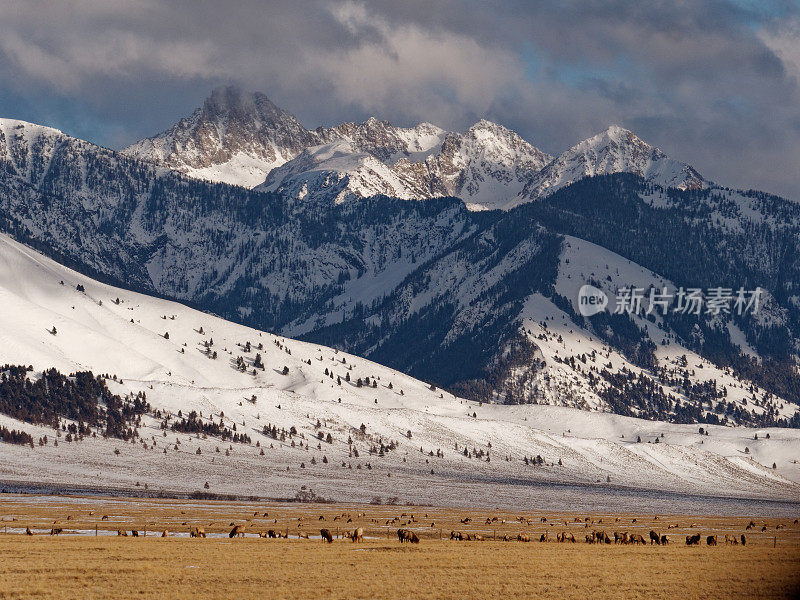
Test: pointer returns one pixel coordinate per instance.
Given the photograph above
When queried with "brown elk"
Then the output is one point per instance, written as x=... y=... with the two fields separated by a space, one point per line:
x=655 y=538
x=621 y=538
x=711 y=540
x=543 y=537
x=165 y=533
x=637 y=539
x=326 y=536
x=731 y=540
x=357 y=535
x=693 y=540
x=744 y=540
x=523 y=538
x=122 y=532
x=197 y=532
x=134 y=533
x=237 y=531
x=28 y=531
x=601 y=537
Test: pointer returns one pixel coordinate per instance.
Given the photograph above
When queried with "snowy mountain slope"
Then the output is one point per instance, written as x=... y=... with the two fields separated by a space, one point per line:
x=334 y=173
x=573 y=356
x=178 y=374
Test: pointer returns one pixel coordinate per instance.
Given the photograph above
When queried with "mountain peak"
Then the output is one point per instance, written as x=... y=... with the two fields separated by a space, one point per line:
x=231 y=101
x=619 y=136
x=613 y=150
x=236 y=137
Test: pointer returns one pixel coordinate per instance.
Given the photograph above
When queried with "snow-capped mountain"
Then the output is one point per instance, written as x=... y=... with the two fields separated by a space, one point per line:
x=482 y=166
x=235 y=138
x=385 y=141
x=615 y=150
x=485 y=166
x=315 y=416
x=244 y=139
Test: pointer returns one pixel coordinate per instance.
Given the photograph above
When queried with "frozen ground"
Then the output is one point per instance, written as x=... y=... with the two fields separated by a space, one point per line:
x=593 y=457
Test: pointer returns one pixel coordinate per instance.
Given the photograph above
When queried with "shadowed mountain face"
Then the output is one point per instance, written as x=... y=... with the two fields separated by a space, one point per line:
x=480 y=301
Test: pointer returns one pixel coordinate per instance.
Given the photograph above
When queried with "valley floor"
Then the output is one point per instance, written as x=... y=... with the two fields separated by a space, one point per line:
x=89 y=560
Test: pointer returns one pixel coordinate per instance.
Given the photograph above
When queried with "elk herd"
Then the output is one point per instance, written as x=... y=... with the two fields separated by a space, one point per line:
x=408 y=535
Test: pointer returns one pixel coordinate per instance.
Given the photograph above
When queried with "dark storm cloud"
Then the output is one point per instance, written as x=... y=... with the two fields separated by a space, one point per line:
x=714 y=83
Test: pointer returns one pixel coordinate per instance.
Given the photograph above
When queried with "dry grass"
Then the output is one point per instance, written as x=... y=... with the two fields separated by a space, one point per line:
x=111 y=567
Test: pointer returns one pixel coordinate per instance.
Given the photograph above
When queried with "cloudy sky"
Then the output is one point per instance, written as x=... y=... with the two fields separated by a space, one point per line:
x=713 y=82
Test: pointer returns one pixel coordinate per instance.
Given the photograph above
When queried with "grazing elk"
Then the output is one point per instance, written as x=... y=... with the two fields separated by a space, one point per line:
x=454 y=535
x=637 y=539
x=711 y=540
x=655 y=538
x=134 y=533
x=621 y=538
x=326 y=536
x=357 y=535
x=237 y=531
x=28 y=531
x=731 y=540
x=122 y=532
x=197 y=532
x=744 y=540
x=543 y=537
x=165 y=533
x=693 y=540
x=523 y=538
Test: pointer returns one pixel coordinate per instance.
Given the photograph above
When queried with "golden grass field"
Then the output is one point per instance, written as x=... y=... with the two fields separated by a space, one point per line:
x=108 y=566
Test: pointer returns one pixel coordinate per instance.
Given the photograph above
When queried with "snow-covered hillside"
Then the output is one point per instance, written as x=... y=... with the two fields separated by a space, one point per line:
x=435 y=444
